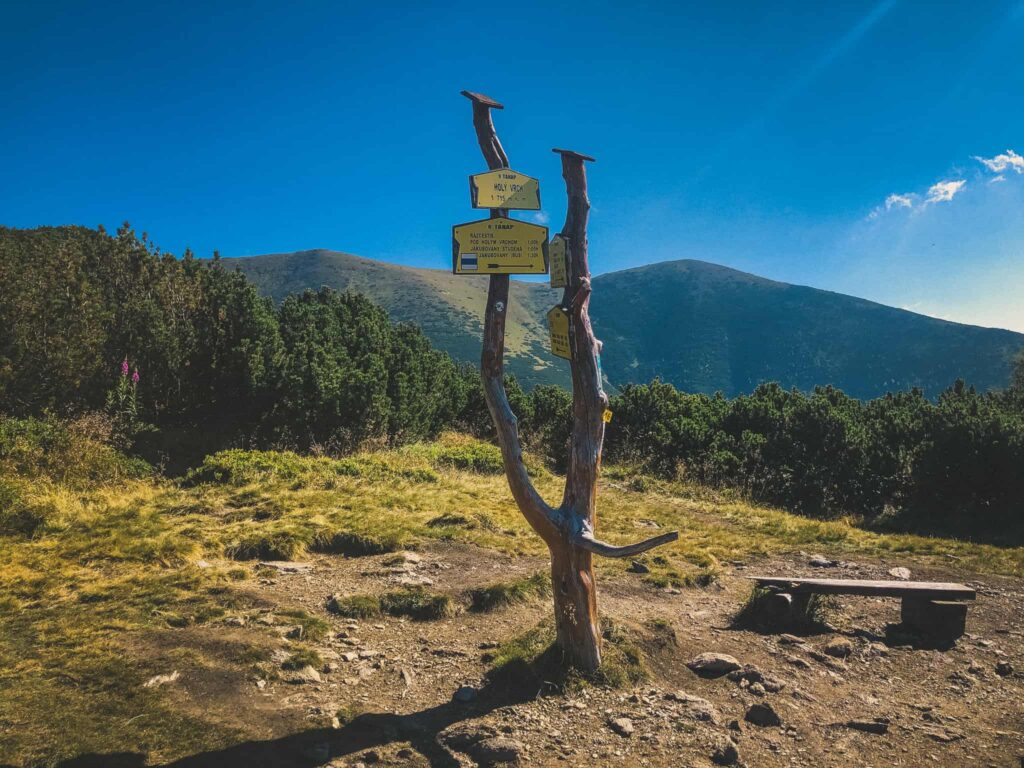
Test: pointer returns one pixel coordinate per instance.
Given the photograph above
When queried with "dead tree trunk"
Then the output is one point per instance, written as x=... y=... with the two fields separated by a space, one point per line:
x=568 y=530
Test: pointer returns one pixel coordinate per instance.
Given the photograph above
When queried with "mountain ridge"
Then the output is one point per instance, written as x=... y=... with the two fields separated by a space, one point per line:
x=701 y=326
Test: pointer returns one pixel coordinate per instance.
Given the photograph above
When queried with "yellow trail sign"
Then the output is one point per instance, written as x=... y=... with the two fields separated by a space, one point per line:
x=558 y=326
x=504 y=188
x=499 y=247
x=559 y=262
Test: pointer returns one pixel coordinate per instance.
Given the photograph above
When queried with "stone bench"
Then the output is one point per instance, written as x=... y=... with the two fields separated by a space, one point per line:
x=936 y=611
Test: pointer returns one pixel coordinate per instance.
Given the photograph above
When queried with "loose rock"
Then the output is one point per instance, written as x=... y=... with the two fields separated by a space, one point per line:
x=713 y=664
x=622 y=726
x=901 y=573
x=725 y=752
x=305 y=675
x=465 y=694
x=1004 y=668
x=839 y=648
x=879 y=725
x=763 y=715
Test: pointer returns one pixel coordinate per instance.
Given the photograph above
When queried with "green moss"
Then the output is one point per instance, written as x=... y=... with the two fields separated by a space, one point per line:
x=504 y=594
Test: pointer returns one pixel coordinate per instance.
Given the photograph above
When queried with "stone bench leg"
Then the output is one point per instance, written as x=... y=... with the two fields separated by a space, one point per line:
x=940 y=621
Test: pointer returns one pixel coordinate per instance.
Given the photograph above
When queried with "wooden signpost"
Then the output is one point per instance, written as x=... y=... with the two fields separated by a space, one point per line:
x=499 y=246
x=558 y=258
x=558 y=327
x=506 y=189
x=568 y=529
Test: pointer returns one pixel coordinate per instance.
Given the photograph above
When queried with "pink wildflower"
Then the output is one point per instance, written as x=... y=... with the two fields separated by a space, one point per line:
x=135 y=376
x=124 y=367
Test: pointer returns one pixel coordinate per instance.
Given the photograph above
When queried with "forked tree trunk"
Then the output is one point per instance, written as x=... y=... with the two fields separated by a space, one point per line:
x=568 y=530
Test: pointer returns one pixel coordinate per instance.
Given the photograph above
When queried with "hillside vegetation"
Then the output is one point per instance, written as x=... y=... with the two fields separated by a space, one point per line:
x=701 y=327
x=185 y=358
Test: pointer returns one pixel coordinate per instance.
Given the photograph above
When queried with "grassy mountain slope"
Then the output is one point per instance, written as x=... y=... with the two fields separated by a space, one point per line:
x=699 y=326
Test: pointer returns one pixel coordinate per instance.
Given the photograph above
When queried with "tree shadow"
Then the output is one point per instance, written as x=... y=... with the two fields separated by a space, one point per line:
x=319 y=746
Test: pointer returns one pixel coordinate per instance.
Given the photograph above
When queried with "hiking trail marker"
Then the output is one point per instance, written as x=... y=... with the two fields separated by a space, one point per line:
x=558 y=259
x=558 y=327
x=505 y=188
x=499 y=246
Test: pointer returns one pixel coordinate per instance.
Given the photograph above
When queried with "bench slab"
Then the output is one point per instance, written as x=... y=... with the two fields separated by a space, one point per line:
x=926 y=590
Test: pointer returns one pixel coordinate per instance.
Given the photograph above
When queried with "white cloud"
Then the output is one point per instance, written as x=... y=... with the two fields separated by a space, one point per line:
x=540 y=217
x=944 y=191
x=997 y=179
x=1009 y=160
x=898 y=201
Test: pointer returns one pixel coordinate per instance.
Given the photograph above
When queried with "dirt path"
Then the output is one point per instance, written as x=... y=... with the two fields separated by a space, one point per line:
x=393 y=680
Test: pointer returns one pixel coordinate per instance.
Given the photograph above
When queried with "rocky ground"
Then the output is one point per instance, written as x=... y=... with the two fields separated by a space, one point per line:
x=397 y=692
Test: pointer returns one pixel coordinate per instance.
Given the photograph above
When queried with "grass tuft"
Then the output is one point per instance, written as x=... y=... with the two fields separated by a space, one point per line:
x=758 y=613
x=414 y=603
x=358 y=544
x=506 y=593
x=301 y=658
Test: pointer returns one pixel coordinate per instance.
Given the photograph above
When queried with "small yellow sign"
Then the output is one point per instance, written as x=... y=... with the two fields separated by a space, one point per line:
x=606 y=416
x=505 y=188
x=558 y=326
x=559 y=259
x=499 y=247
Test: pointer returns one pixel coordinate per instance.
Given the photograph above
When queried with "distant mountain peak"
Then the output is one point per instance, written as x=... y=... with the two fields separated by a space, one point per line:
x=704 y=327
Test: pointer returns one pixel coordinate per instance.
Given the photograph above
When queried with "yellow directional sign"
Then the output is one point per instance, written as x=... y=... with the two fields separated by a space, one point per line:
x=505 y=188
x=499 y=247
x=559 y=262
x=558 y=326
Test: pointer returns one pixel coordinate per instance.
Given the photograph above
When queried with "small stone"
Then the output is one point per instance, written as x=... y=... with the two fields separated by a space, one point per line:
x=371 y=756
x=901 y=573
x=261 y=684
x=305 y=675
x=295 y=633
x=235 y=621
x=157 y=680
x=1004 y=668
x=839 y=648
x=350 y=655
x=465 y=694
x=796 y=661
x=622 y=726
x=284 y=566
x=497 y=750
x=696 y=707
x=791 y=640
x=725 y=752
x=757 y=689
x=762 y=714
x=713 y=664
x=820 y=561
x=638 y=567
x=878 y=726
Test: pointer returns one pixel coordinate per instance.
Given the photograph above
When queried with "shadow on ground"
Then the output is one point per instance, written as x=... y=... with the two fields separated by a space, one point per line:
x=319 y=746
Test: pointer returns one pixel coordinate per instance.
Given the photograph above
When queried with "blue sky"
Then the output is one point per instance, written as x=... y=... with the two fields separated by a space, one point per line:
x=872 y=148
